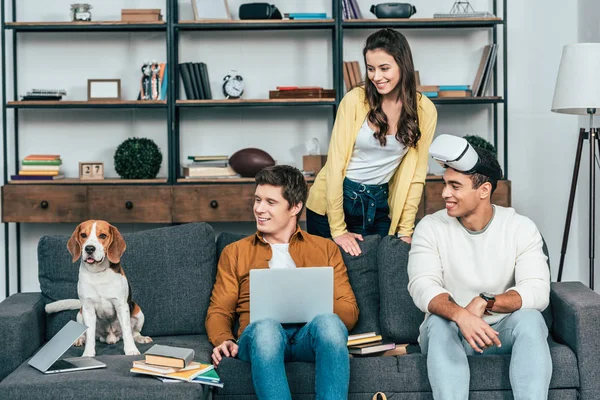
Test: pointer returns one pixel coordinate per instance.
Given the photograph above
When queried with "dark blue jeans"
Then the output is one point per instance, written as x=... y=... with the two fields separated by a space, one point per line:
x=366 y=211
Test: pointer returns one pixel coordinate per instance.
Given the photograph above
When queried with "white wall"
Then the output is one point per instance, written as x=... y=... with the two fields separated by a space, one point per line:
x=589 y=31
x=537 y=31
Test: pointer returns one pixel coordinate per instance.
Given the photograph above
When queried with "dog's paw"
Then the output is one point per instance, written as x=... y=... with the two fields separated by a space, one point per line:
x=90 y=353
x=111 y=339
x=132 y=352
x=80 y=341
x=142 y=339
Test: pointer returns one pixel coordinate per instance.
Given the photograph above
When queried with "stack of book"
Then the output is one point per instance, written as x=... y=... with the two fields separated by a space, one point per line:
x=35 y=167
x=351 y=10
x=368 y=343
x=352 y=75
x=208 y=167
x=301 y=92
x=304 y=16
x=196 y=83
x=174 y=364
x=44 y=94
x=433 y=91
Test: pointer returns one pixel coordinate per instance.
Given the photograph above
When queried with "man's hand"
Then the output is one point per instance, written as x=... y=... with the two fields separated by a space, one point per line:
x=348 y=243
x=477 y=332
x=477 y=306
x=227 y=349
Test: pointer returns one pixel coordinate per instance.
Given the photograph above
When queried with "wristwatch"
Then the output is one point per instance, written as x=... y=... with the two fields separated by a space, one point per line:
x=490 y=298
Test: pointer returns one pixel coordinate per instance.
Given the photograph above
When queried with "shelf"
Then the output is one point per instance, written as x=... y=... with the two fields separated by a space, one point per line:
x=422 y=23
x=468 y=100
x=257 y=24
x=255 y=102
x=114 y=26
x=88 y=104
x=308 y=179
x=77 y=181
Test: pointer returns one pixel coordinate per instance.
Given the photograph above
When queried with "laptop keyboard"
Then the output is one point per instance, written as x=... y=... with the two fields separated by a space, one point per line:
x=61 y=364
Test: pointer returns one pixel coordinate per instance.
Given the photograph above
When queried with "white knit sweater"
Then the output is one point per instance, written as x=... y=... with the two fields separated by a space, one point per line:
x=445 y=257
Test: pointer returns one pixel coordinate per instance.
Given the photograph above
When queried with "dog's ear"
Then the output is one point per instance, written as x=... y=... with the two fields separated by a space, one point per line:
x=117 y=246
x=73 y=243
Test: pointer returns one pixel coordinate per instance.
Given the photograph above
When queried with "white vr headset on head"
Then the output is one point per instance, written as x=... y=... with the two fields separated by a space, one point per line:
x=456 y=153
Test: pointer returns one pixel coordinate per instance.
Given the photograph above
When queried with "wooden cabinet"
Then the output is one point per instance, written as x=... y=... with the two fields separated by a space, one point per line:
x=44 y=203
x=213 y=203
x=163 y=204
x=147 y=204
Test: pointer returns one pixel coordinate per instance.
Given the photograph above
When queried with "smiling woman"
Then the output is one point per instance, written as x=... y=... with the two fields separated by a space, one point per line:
x=377 y=160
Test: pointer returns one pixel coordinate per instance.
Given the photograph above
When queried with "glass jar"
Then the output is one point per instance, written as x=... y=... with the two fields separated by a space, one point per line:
x=81 y=12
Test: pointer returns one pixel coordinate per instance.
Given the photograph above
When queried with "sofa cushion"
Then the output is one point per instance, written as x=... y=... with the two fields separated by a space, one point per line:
x=400 y=318
x=362 y=273
x=171 y=272
x=363 y=276
x=402 y=374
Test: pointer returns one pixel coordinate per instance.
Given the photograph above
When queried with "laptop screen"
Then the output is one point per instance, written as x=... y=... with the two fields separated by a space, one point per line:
x=57 y=346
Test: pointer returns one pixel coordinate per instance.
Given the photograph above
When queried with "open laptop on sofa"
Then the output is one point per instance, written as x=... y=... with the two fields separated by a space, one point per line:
x=47 y=359
x=291 y=295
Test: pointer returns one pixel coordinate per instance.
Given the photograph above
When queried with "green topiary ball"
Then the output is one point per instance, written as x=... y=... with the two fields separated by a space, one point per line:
x=138 y=158
x=478 y=141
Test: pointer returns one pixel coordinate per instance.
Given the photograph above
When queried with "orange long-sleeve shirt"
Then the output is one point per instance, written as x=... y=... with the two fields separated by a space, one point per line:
x=231 y=292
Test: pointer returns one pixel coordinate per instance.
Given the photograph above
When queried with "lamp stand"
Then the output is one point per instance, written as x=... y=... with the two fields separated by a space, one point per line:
x=594 y=139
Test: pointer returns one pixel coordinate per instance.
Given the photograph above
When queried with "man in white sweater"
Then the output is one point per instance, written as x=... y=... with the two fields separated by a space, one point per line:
x=479 y=273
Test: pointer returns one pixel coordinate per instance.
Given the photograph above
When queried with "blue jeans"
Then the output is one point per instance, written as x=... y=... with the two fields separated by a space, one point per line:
x=366 y=211
x=267 y=344
x=523 y=334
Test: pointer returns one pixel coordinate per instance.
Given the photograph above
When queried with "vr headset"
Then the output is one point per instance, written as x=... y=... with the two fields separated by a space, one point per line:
x=456 y=153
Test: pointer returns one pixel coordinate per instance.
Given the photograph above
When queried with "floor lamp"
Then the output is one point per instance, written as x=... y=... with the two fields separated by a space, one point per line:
x=578 y=92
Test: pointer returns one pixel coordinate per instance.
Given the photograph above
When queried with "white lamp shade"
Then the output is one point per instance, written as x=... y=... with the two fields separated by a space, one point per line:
x=578 y=82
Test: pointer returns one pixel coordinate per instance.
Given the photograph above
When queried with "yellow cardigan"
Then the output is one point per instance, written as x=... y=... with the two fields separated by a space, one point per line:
x=406 y=186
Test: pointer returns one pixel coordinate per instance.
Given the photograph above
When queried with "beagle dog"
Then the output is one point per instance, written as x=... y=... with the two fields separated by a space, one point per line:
x=105 y=303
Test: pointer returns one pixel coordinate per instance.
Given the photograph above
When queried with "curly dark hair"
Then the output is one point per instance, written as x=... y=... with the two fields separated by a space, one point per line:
x=395 y=44
x=290 y=179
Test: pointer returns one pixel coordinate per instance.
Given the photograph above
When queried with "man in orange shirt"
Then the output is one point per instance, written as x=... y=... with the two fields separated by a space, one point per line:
x=279 y=242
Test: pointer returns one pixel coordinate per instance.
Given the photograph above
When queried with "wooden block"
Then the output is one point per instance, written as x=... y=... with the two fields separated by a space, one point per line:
x=91 y=170
x=141 y=18
x=140 y=11
x=313 y=163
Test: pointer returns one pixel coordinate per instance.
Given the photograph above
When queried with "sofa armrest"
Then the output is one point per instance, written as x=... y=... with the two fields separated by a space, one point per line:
x=576 y=322
x=22 y=326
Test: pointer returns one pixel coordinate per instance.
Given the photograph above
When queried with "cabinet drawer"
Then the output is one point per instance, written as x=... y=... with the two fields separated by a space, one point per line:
x=150 y=204
x=213 y=203
x=44 y=203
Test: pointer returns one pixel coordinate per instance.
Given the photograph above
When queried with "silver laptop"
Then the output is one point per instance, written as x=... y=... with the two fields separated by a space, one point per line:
x=294 y=295
x=47 y=359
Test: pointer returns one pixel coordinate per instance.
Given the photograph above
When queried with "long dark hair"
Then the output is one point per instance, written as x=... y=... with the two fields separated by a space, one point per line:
x=395 y=44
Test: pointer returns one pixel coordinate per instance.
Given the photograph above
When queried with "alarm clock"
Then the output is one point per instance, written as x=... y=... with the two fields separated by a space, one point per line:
x=233 y=85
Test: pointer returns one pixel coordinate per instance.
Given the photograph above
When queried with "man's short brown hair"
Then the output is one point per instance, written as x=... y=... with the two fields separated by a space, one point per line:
x=290 y=179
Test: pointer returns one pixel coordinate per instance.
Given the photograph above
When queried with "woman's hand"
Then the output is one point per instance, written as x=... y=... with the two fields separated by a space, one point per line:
x=348 y=243
x=406 y=239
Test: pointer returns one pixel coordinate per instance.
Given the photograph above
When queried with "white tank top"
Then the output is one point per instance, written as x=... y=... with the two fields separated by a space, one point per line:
x=372 y=164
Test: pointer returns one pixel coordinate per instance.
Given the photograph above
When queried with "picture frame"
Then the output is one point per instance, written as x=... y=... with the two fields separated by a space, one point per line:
x=104 y=89
x=210 y=9
x=91 y=170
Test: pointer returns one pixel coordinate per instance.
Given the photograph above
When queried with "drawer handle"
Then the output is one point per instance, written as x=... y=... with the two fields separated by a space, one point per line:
x=44 y=204
x=214 y=204
x=128 y=205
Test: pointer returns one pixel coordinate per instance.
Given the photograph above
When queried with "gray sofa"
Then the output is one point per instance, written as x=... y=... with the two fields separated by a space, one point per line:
x=171 y=271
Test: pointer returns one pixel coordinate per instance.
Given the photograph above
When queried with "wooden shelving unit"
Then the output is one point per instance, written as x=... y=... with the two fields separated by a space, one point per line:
x=174 y=199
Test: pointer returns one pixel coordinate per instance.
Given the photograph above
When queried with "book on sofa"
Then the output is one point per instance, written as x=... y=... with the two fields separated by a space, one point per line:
x=185 y=374
x=169 y=356
x=370 y=348
x=209 y=378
